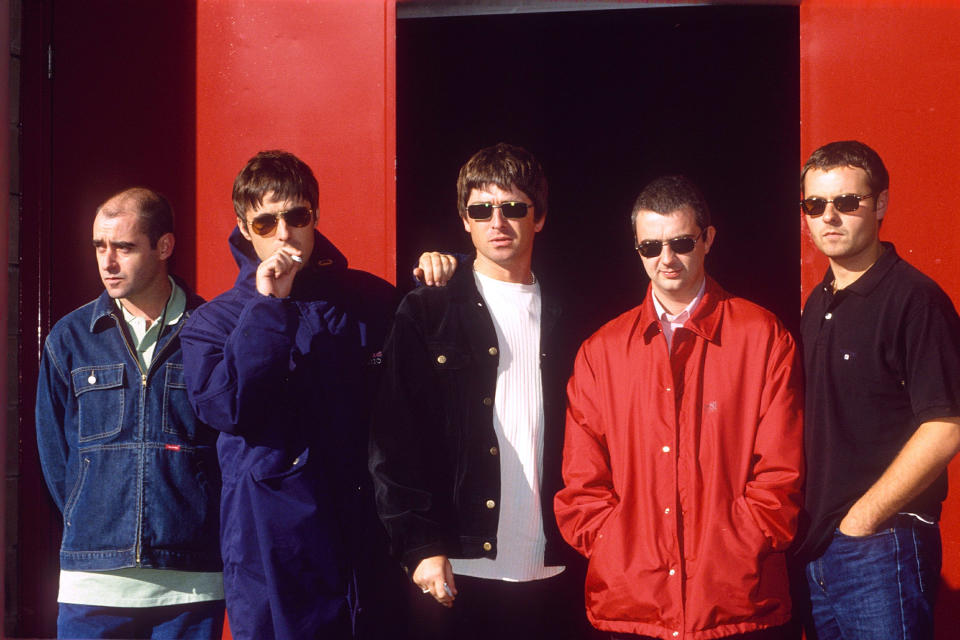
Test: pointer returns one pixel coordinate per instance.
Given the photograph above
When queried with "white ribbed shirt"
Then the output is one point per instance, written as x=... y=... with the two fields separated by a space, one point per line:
x=518 y=422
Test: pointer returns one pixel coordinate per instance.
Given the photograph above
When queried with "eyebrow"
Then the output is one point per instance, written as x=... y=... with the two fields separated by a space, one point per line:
x=100 y=242
x=682 y=235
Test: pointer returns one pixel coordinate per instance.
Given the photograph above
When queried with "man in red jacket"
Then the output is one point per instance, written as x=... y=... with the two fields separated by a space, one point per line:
x=683 y=450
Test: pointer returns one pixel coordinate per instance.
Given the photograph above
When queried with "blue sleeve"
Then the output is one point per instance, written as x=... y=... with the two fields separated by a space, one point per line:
x=53 y=392
x=236 y=367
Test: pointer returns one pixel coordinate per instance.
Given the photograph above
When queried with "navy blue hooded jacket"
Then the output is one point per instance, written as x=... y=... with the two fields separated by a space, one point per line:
x=285 y=381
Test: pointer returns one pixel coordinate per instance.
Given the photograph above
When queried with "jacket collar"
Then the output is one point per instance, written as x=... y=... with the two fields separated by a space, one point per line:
x=105 y=307
x=706 y=318
x=463 y=289
x=871 y=278
x=325 y=256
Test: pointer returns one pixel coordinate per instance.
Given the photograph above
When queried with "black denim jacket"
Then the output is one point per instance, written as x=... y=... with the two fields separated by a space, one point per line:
x=434 y=452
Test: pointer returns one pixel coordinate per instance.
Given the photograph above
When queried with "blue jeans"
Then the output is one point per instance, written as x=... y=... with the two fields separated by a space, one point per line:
x=877 y=587
x=194 y=621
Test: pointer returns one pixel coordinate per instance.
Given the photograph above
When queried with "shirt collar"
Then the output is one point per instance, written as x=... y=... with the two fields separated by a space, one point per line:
x=871 y=277
x=705 y=319
x=687 y=311
x=176 y=305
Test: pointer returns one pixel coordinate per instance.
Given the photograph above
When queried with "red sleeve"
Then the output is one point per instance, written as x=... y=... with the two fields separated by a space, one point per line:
x=588 y=496
x=773 y=494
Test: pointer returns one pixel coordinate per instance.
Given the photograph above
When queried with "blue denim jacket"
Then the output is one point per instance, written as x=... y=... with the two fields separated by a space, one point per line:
x=126 y=460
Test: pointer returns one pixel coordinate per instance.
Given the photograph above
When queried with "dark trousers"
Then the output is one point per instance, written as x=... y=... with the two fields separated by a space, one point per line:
x=195 y=621
x=498 y=610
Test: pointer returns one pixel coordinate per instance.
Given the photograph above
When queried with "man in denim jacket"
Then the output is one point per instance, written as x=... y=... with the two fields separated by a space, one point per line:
x=126 y=460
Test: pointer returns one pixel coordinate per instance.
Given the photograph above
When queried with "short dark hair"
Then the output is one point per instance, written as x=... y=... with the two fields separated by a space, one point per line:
x=153 y=211
x=508 y=167
x=666 y=194
x=280 y=172
x=849 y=153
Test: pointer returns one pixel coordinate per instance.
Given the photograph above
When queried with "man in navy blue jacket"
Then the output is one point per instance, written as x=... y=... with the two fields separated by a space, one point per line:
x=278 y=364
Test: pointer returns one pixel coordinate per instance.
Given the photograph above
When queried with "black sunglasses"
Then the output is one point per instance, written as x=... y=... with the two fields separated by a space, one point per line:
x=681 y=245
x=846 y=203
x=265 y=223
x=484 y=210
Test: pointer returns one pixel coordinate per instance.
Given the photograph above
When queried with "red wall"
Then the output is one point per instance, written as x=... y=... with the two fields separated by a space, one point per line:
x=312 y=77
x=886 y=73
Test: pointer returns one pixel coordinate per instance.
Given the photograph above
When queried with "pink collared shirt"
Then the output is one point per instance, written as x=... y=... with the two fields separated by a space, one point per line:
x=669 y=323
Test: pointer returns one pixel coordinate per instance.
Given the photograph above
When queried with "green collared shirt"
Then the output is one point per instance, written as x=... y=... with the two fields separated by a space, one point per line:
x=145 y=338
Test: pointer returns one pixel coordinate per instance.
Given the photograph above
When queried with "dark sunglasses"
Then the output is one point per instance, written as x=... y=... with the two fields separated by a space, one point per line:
x=264 y=223
x=484 y=210
x=846 y=203
x=681 y=245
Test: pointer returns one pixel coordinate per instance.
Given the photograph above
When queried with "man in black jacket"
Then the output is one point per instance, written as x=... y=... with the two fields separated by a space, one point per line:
x=467 y=435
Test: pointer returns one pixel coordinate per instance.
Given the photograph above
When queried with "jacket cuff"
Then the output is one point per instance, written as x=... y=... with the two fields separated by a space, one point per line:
x=411 y=558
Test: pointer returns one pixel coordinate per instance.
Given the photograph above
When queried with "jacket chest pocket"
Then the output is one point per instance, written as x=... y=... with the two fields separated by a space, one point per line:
x=460 y=390
x=178 y=417
x=448 y=358
x=100 y=400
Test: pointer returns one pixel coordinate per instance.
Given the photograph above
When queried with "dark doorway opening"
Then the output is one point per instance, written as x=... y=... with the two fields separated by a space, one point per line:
x=608 y=100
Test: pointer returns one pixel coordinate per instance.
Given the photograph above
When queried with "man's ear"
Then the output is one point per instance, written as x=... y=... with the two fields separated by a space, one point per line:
x=538 y=224
x=883 y=199
x=165 y=245
x=466 y=223
x=242 y=225
x=708 y=238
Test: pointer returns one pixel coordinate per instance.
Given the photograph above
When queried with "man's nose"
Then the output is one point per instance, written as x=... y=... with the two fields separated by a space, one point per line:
x=283 y=232
x=108 y=261
x=667 y=254
x=830 y=214
x=498 y=220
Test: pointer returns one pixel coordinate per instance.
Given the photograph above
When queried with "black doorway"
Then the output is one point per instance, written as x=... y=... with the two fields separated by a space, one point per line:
x=608 y=100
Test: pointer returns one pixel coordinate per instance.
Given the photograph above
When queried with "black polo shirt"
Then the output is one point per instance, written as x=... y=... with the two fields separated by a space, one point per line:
x=881 y=357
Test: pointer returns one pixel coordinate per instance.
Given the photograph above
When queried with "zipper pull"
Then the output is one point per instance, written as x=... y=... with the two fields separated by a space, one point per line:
x=143 y=379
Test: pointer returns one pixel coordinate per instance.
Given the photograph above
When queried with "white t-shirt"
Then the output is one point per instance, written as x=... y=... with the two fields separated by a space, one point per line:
x=518 y=422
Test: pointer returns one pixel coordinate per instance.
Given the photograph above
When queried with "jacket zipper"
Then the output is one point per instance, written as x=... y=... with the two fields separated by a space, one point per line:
x=144 y=375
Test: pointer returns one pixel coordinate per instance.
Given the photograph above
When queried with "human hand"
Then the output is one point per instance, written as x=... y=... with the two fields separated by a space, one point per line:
x=276 y=273
x=435 y=268
x=434 y=576
x=854 y=526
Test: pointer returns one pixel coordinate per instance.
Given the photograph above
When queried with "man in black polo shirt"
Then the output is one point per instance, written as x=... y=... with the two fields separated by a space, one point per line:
x=881 y=344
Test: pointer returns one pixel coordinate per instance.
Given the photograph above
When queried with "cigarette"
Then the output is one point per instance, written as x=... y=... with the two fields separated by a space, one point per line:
x=446 y=588
x=296 y=259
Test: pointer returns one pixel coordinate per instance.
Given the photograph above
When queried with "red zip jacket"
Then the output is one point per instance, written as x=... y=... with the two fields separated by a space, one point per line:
x=683 y=470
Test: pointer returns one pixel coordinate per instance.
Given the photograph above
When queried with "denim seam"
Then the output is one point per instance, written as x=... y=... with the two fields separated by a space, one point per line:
x=916 y=556
x=899 y=554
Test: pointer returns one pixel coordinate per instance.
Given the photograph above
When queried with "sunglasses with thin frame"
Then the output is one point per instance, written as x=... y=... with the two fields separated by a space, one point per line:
x=680 y=244
x=484 y=210
x=263 y=224
x=846 y=203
